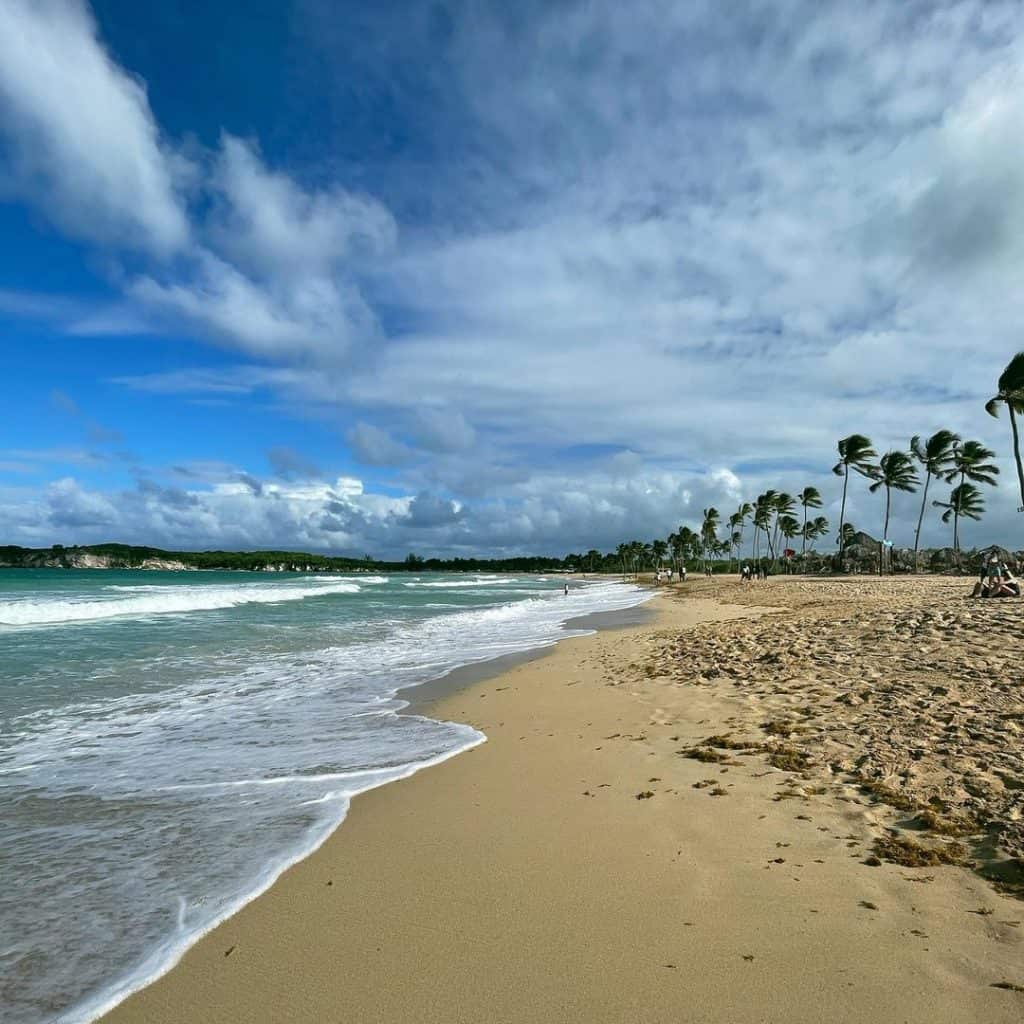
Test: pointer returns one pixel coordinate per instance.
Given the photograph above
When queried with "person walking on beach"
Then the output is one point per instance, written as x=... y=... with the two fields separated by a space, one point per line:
x=565 y=590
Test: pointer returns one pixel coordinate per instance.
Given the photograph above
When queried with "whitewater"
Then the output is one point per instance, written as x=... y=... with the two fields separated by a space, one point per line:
x=171 y=742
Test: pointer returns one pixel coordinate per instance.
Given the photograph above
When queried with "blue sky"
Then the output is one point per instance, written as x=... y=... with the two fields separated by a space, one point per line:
x=479 y=277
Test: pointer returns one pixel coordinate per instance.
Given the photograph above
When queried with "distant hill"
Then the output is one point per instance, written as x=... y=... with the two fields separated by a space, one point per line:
x=126 y=556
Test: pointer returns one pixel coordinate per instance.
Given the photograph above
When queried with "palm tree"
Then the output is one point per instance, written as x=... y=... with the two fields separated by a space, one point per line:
x=964 y=502
x=848 y=535
x=622 y=551
x=743 y=512
x=809 y=497
x=789 y=526
x=970 y=462
x=708 y=530
x=814 y=529
x=1011 y=391
x=856 y=453
x=895 y=472
x=936 y=456
x=734 y=522
x=763 y=505
x=659 y=550
x=783 y=505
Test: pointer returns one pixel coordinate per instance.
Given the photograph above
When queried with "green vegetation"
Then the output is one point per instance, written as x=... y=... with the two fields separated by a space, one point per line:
x=125 y=556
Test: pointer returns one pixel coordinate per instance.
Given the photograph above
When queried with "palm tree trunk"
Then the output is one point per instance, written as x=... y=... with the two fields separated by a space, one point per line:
x=885 y=530
x=956 y=537
x=842 y=516
x=1016 y=451
x=920 y=518
x=803 y=540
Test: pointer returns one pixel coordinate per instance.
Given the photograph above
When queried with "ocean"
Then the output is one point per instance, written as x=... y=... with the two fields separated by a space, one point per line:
x=170 y=742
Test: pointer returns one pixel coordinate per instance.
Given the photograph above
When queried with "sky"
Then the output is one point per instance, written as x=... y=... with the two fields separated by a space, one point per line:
x=479 y=278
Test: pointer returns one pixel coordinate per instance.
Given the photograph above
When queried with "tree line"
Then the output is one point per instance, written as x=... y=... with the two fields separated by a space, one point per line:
x=944 y=457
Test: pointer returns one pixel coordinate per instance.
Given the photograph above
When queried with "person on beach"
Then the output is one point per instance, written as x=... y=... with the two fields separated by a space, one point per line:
x=682 y=574
x=565 y=590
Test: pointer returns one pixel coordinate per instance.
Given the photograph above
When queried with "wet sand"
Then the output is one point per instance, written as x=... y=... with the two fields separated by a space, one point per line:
x=630 y=846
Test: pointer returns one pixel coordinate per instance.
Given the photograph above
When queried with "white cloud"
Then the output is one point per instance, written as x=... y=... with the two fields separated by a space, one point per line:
x=84 y=140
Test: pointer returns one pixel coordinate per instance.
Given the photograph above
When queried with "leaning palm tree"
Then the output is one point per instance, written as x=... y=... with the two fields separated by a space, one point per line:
x=936 y=458
x=814 y=529
x=856 y=453
x=809 y=497
x=965 y=502
x=1011 y=391
x=895 y=472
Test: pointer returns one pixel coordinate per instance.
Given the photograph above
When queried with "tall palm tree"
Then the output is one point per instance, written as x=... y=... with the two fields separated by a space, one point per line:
x=809 y=497
x=734 y=535
x=936 y=457
x=763 y=507
x=965 y=502
x=1011 y=392
x=895 y=472
x=709 y=530
x=856 y=453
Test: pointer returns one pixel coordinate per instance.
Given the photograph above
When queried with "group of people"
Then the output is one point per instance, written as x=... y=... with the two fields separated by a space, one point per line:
x=758 y=571
x=996 y=580
x=665 y=575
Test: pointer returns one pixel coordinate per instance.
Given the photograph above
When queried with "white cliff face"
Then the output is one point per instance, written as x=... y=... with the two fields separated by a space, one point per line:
x=163 y=563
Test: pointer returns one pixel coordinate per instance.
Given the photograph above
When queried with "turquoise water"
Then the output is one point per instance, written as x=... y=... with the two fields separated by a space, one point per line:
x=171 y=741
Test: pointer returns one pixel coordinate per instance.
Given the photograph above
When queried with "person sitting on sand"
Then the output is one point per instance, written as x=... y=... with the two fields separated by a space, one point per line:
x=981 y=586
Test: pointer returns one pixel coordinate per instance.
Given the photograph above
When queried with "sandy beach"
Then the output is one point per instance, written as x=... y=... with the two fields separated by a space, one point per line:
x=771 y=803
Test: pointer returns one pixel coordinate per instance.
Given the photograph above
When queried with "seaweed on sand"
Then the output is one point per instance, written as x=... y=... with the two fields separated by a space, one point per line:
x=911 y=854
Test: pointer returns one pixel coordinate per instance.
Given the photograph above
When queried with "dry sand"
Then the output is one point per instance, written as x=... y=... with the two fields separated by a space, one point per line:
x=578 y=867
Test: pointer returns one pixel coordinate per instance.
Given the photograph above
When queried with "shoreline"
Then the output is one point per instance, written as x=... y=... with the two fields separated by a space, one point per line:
x=488 y=869
x=419 y=697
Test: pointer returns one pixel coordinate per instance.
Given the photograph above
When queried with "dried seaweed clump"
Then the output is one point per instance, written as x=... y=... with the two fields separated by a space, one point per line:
x=949 y=824
x=789 y=759
x=887 y=795
x=780 y=727
x=705 y=754
x=910 y=854
x=726 y=742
